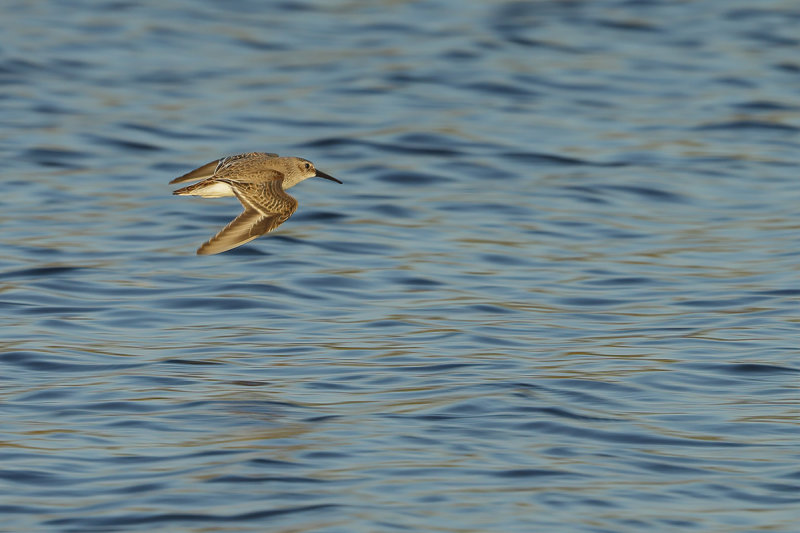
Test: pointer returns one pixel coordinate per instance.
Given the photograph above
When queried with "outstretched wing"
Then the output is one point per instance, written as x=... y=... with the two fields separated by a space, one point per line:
x=266 y=206
x=210 y=169
x=242 y=229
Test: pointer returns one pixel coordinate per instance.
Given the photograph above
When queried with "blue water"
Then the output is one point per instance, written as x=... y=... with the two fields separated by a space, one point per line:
x=558 y=290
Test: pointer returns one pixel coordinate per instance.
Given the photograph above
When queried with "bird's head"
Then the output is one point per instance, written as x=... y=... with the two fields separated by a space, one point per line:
x=305 y=169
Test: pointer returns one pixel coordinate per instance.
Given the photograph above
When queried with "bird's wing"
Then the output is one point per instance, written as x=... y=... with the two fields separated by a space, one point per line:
x=266 y=206
x=242 y=229
x=210 y=169
x=268 y=196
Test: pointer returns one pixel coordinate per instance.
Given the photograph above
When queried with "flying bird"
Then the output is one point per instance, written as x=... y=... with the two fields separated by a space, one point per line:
x=259 y=181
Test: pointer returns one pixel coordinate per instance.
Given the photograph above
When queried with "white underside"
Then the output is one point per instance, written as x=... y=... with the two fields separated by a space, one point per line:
x=213 y=190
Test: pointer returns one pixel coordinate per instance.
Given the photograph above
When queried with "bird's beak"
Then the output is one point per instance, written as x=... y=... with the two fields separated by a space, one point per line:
x=321 y=174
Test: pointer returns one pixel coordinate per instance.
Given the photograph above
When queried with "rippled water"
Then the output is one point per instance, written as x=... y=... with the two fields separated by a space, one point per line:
x=558 y=290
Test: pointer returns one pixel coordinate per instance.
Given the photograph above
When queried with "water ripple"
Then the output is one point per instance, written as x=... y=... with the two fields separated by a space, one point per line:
x=557 y=291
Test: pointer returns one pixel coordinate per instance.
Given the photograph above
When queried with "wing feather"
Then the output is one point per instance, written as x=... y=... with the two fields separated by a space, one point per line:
x=242 y=229
x=266 y=206
x=211 y=169
x=206 y=171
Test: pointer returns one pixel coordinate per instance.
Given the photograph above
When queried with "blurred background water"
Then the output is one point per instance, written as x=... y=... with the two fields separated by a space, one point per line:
x=558 y=290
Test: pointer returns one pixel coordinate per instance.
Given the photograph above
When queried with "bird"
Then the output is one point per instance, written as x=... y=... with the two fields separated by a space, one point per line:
x=259 y=181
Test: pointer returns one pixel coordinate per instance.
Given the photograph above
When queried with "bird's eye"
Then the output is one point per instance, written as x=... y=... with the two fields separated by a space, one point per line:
x=308 y=166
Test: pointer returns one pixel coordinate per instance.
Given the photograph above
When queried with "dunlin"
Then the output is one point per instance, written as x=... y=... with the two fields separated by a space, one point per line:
x=259 y=181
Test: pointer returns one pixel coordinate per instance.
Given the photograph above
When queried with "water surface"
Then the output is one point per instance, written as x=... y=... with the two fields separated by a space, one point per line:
x=558 y=290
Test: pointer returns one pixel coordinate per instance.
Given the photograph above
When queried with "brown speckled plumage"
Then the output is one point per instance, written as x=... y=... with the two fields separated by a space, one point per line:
x=259 y=181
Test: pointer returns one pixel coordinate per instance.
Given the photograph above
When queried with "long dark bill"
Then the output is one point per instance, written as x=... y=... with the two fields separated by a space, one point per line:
x=321 y=174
